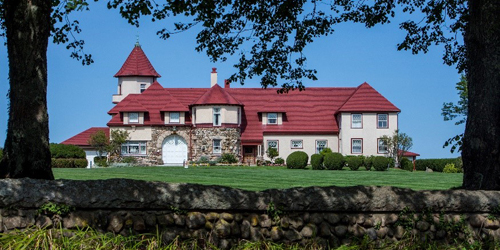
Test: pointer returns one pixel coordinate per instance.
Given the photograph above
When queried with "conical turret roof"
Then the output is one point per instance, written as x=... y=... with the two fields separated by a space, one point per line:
x=137 y=64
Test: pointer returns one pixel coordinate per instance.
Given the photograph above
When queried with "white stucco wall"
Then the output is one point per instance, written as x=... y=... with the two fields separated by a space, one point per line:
x=204 y=114
x=369 y=132
x=308 y=143
x=182 y=118
x=131 y=85
x=137 y=133
x=90 y=154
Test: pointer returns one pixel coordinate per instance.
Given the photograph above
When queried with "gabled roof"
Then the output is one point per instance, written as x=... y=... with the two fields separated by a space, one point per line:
x=82 y=139
x=137 y=64
x=365 y=98
x=410 y=154
x=217 y=96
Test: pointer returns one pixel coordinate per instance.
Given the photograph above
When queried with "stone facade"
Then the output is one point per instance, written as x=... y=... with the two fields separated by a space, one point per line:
x=203 y=142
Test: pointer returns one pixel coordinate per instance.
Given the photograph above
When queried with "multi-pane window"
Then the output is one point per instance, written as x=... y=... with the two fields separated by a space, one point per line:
x=272 y=118
x=356 y=121
x=320 y=145
x=382 y=121
x=216 y=112
x=296 y=143
x=382 y=146
x=216 y=146
x=143 y=87
x=272 y=144
x=133 y=148
x=174 y=117
x=357 y=146
x=133 y=117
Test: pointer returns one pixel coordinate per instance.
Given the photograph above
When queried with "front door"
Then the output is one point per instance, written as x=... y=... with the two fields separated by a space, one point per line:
x=249 y=154
x=174 y=151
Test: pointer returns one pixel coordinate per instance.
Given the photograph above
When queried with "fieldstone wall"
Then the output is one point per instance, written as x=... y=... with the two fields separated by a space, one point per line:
x=203 y=145
x=328 y=215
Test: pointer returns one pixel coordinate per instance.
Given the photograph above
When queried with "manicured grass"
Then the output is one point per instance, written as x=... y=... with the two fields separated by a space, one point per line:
x=261 y=178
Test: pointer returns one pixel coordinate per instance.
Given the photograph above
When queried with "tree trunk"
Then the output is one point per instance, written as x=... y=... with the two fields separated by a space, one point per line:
x=26 y=152
x=481 y=149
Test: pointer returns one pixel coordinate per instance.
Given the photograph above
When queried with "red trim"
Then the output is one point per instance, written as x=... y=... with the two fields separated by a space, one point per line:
x=387 y=115
x=291 y=144
x=352 y=114
x=352 y=139
x=295 y=132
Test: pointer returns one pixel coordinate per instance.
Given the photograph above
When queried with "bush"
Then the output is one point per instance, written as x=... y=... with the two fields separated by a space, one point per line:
x=325 y=151
x=129 y=159
x=1 y=153
x=334 y=161
x=317 y=162
x=368 y=162
x=203 y=160
x=101 y=161
x=297 y=160
x=279 y=161
x=450 y=168
x=354 y=162
x=68 y=163
x=406 y=164
x=437 y=165
x=212 y=163
x=228 y=158
x=380 y=163
x=66 y=151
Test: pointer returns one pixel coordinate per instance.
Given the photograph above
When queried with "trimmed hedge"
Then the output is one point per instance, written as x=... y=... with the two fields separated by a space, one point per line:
x=279 y=161
x=380 y=163
x=406 y=164
x=354 y=162
x=297 y=160
x=66 y=151
x=437 y=165
x=334 y=161
x=317 y=162
x=68 y=163
x=368 y=162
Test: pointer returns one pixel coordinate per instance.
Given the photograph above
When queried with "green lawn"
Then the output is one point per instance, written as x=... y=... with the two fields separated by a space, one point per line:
x=261 y=178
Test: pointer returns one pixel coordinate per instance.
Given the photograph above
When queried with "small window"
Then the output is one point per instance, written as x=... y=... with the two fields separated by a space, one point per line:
x=357 y=146
x=133 y=117
x=320 y=145
x=216 y=121
x=174 y=117
x=382 y=121
x=133 y=148
x=143 y=87
x=356 y=121
x=382 y=146
x=216 y=146
x=296 y=144
x=272 y=118
x=272 y=144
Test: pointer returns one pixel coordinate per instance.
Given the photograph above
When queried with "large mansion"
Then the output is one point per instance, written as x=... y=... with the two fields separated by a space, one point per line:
x=170 y=126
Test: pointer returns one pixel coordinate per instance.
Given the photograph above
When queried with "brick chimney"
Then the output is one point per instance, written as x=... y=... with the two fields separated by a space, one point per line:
x=227 y=84
x=213 y=77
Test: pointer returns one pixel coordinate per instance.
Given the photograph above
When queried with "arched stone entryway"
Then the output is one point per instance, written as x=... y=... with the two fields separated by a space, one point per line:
x=174 y=150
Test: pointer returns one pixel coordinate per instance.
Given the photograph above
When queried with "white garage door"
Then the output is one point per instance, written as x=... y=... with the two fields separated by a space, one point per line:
x=174 y=150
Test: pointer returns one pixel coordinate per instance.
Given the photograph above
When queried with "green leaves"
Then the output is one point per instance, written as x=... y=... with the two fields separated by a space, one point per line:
x=451 y=111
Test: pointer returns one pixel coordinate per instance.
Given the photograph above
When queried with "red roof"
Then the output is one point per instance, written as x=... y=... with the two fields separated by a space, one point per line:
x=137 y=64
x=366 y=99
x=82 y=139
x=216 y=96
x=410 y=154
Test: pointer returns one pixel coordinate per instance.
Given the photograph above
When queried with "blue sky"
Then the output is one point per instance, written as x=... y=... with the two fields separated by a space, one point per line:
x=80 y=96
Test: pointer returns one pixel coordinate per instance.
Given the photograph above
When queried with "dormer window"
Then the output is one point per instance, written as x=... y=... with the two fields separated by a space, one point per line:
x=133 y=117
x=174 y=117
x=143 y=87
x=272 y=118
x=217 y=118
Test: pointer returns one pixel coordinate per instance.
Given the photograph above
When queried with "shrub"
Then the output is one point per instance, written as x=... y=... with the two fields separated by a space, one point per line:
x=279 y=161
x=129 y=159
x=450 y=168
x=354 y=162
x=437 y=165
x=212 y=163
x=317 y=162
x=203 y=160
x=406 y=164
x=380 y=163
x=297 y=160
x=68 y=163
x=66 y=151
x=271 y=153
x=334 y=161
x=325 y=151
x=368 y=162
x=101 y=161
x=228 y=158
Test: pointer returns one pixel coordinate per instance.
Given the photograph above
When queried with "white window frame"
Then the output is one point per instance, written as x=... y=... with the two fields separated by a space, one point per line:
x=217 y=116
x=133 y=148
x=353 y=151
x=131 y=115
x=295 y=144
x=318 y=150
x=272 y=118
x=382 y=143
x=217 y=146
x=269 y=142
x=382 y=121
x=143 y=87
x=172 y=118
x=356 y=123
